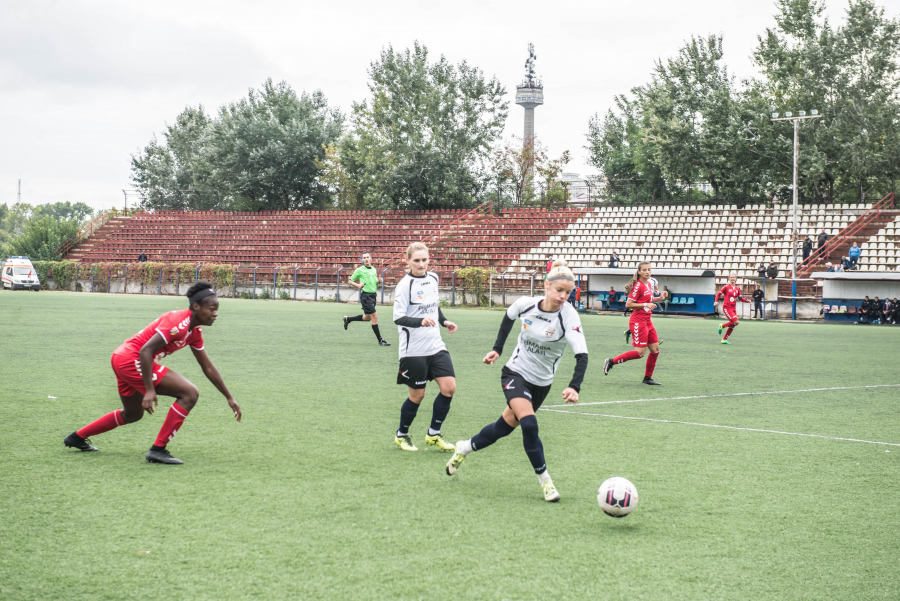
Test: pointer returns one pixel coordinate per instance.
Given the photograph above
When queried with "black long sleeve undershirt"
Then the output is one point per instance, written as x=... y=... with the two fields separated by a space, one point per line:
x=581 y=363
x=505 y=328
x=416 y=322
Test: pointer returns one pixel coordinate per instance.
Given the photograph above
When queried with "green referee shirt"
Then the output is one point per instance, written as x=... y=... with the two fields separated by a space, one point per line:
x=368 y=276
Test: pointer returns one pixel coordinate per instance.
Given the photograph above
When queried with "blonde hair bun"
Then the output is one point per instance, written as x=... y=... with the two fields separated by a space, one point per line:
x=558 y=263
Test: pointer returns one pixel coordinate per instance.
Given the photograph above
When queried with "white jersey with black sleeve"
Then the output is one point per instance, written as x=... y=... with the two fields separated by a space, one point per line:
x=543 y=339
x=416 y=298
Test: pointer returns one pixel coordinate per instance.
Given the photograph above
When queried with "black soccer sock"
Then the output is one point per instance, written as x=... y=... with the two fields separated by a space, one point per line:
x=532 y=442
x=355 y=318
x=407 y=415
x=439 y=412
x=375 y=329
x=491 y=433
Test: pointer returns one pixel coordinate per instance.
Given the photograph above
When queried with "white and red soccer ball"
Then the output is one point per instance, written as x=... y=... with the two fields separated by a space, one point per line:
x=617 y=497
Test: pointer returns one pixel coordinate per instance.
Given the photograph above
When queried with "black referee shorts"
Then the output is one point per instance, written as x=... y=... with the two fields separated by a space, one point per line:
x=416 y=371
x=517 y=387
x=367 y=300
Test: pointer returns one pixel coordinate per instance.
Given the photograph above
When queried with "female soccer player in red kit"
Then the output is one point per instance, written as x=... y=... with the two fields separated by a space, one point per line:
x=643 y=334
x=140 y=378
x=730 y=294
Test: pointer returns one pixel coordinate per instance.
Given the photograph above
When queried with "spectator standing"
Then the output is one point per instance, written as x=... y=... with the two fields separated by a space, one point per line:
x=807 y=248
x=772 y=271
x=888 y=310
x=758 y=302
x=549 y=265
x=823 y=240
x=573 y=296
x=854 y=253
x=614 y=260
x=895 y=314
x=142 y=258
x=577 y=296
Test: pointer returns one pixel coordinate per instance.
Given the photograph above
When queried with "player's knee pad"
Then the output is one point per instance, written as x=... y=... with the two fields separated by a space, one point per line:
x=529 y=426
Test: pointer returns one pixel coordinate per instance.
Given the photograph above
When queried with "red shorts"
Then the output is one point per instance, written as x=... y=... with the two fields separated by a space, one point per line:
x=730 y=313
x=642 y=333
x=128 y=374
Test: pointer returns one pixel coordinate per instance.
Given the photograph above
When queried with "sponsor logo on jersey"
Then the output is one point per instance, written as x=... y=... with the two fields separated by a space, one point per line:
x=173 y=332
x=526 y=323
x=577 y=329
x=550 y=332
x=542 y=318
x=422 y=382
x=420 y=294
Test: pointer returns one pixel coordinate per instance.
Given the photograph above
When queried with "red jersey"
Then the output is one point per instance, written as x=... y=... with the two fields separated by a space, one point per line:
x=173 y=327
x=731 y=295
x=641 y=293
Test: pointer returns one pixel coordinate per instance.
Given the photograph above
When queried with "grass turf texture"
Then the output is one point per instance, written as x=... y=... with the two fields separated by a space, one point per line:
x=310 y=498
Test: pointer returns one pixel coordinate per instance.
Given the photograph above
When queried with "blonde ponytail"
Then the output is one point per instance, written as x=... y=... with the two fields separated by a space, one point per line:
x=635 y=277
x=560 y=271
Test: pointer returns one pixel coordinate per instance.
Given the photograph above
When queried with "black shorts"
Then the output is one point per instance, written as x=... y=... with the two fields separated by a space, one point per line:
x=367 y=300
x=416 y=371
x=517 y=387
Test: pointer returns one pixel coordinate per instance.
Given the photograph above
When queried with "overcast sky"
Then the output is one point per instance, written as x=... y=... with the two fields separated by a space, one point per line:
x=86 y=84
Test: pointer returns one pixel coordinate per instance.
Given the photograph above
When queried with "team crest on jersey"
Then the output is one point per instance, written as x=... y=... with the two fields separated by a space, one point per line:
x=526 y=323
x=420 y=294
x=173 y=332
x=550 y=332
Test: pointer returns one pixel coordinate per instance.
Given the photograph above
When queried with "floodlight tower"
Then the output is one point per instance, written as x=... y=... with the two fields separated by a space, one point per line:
x=530 y=94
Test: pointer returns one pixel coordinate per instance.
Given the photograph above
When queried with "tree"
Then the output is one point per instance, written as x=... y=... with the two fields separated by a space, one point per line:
x=42 y=238
x=62 y=211
x=423 y=139
x=516 y=162
x=335 y=177
x=258 y=153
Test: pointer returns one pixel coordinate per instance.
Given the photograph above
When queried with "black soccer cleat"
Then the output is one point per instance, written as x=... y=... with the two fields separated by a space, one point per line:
x=384 y=342
x=346 y=322
x=162 y=456
x=77 y=442
x=651 y=382
x=607 y=365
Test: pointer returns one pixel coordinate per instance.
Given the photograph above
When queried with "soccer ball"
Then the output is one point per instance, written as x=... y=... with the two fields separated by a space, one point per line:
x=617 y=497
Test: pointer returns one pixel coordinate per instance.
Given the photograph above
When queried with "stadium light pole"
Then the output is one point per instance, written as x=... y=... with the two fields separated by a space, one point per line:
x=796 y=119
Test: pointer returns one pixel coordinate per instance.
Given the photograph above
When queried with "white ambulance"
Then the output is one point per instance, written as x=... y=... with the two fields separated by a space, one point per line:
x=19 y=274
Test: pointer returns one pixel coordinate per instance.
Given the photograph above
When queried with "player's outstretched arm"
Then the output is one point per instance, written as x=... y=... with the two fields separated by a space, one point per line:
x=213 y=375
x=146 y=354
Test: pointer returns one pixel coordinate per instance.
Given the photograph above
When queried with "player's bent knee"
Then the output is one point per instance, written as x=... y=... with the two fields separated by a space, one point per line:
x=129 y=417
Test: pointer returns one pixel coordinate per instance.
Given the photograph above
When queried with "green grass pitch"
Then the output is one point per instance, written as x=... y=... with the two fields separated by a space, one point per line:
x=310 y=499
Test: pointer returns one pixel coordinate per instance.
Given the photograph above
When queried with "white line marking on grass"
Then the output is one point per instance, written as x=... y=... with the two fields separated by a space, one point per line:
x=711 y=396
x=672 y=421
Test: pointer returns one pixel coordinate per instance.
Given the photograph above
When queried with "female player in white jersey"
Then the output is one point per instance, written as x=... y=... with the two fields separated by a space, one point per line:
x=423 y=355
x=549 y=324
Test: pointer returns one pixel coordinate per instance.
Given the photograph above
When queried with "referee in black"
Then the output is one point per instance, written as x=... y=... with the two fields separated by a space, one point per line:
x=366 y=280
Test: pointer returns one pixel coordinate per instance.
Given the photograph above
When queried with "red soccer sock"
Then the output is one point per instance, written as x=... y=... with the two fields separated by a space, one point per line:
x=108 y=422
x=626 y=357
x=174 y=418
x=728 y=333
x=651 y=363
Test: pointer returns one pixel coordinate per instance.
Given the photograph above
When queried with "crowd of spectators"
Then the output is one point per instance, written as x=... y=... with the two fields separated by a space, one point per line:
x=878 y=312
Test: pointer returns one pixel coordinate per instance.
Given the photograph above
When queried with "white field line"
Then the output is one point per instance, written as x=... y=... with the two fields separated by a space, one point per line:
x=712 y=396
x=672 y=421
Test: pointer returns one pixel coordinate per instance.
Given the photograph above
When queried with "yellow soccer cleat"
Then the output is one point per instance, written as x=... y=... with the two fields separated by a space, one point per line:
x=725 y=342
x=405 y=443
x=550 y=493
x=456 y=460
x=438 y=441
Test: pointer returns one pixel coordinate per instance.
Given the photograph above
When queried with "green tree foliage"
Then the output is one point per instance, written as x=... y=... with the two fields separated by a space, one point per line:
x=42 y=237
x=258 y=153
x=692 y=122
x=423 y=139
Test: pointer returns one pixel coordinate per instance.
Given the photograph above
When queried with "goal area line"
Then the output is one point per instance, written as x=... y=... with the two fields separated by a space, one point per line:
x=672 y=421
